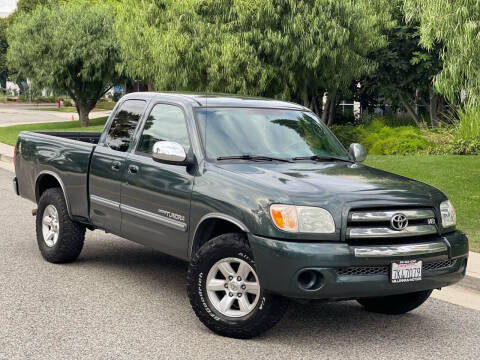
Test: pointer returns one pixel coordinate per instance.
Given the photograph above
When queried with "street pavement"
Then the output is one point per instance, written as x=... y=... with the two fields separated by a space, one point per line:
x=120 y=300
x=17 y=114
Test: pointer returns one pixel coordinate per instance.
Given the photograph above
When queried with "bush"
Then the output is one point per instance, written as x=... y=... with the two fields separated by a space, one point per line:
x=457 y=147
x=395 y=141
x=380 y=139
x=348 y=134
x=467 y=127
x=67 y=103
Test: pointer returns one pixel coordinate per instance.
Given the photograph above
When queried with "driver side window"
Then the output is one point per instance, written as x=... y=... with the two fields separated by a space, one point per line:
x=164 y=123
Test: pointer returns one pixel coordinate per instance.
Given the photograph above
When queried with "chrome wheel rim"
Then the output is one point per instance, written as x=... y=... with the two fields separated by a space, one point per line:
x=233 y=287
x=50 y=225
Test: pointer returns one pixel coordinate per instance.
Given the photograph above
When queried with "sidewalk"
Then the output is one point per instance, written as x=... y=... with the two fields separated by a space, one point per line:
x=471 y=280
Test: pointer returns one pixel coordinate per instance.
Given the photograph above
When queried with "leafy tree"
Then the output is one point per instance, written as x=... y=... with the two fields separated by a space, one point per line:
x=455 y=26
x=27 y=6
x=295 y=50
x=68 y=47
x=3 y=51
x=405 y=71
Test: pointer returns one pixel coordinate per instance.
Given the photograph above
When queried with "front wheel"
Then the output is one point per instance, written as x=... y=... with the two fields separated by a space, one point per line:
x=225 y=291
x=395 y=304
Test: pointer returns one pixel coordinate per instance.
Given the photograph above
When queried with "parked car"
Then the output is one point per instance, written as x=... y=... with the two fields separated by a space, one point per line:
x=257 y=195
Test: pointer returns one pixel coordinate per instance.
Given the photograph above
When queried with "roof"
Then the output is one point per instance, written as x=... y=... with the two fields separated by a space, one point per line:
x=202 y=100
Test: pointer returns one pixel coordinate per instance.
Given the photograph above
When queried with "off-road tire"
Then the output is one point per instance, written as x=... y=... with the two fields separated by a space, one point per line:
x=395 y=304
x=71 y=234
x=268 y=311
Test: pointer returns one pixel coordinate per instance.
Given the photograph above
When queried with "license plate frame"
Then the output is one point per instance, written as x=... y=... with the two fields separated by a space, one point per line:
x=406 y=271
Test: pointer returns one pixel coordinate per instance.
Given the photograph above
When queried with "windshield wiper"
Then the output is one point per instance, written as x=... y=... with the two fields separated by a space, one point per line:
x=252 y=158
x=321 y=158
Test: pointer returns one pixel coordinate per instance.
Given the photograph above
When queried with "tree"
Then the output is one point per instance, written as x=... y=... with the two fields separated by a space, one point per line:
x=3 y=52
x=454 y=25
x=68 y=47
x=405 y=71
x=290 y=49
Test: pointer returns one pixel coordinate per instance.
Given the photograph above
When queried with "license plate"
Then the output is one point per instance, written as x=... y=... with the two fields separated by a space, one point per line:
x=406 y=271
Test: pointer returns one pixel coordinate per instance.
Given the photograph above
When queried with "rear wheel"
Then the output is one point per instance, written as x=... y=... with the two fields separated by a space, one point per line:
x=225 y=291
x=59 y=239
x=395 y=304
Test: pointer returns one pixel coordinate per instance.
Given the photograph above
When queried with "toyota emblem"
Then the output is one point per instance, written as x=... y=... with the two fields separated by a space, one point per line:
x=399 y=222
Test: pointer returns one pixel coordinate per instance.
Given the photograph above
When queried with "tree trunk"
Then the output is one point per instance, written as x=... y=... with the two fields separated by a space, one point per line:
x=83 y=109
x=433 y=107
x=83 y=112
x=410 y=111
x=331 y=110
x=326 y=109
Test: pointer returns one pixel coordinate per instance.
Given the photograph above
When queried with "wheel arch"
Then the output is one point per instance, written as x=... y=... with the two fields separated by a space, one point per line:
x=212 y=225
x=47 y=180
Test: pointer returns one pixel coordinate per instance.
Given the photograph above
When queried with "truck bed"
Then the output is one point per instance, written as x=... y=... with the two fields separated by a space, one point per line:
x=89 y=137
x=65 y=156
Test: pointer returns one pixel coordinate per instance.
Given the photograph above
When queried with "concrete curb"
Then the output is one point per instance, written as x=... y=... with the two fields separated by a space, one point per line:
x=6 y=158
x=470 y=282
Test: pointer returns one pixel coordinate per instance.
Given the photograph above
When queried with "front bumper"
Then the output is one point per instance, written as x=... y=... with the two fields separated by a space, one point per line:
x=279 y=264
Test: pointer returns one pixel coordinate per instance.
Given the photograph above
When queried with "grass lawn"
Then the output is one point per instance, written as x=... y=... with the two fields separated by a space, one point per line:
x=457 y=176
x=9 y=134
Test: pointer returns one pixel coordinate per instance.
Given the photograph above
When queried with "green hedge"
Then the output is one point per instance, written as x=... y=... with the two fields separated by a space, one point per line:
x=380 y=139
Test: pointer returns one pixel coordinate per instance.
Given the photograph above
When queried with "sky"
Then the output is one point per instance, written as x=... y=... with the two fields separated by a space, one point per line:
x=7 y=6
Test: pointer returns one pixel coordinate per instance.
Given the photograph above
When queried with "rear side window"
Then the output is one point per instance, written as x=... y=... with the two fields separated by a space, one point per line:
x=123 y=125
x=165 y=123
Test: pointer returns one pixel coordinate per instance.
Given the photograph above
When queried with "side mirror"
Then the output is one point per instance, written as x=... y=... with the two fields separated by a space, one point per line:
x=358 y=152
x=169 y=152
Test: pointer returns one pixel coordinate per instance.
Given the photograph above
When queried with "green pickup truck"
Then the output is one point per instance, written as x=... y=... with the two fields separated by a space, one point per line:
x=257 y=195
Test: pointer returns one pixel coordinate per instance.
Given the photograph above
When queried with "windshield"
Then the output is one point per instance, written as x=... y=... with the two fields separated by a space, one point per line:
x=266 y=132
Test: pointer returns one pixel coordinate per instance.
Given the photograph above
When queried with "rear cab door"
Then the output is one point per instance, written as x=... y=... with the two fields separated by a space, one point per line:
x=108 y=165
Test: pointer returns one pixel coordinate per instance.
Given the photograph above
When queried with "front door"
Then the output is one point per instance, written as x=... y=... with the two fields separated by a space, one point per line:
x=108 y=166
x=155 y=196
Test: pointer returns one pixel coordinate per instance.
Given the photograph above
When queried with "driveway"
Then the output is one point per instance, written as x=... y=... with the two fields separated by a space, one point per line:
x=124 y=301
x=17 y=114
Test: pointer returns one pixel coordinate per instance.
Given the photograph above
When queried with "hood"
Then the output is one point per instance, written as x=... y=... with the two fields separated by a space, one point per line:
x=313 y=184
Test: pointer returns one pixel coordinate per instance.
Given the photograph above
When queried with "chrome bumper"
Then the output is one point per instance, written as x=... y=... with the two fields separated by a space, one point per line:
x=400 y=250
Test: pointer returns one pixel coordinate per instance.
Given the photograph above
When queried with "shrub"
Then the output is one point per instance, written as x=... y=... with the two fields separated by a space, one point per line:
x=348 y=134
x=467 y=127
x=380 y=139
x=395 y=141
x=67 y=103
x=457 y=147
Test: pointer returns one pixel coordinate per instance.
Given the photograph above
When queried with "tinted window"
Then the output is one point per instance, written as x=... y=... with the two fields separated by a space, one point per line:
x=268 y=132
x=165 y=123
x=123 y=125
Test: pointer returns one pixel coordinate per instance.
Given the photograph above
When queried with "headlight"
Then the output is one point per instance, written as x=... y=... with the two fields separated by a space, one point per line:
x=449 y=218
x=305 y=219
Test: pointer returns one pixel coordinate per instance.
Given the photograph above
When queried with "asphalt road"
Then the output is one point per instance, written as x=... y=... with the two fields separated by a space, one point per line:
x=15 y=114
x=123 y=301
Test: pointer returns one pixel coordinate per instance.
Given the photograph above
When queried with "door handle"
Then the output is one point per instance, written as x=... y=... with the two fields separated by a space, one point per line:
x=132 y=169
x=116 y=165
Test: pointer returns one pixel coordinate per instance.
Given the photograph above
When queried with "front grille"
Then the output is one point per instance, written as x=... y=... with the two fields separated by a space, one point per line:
x=390 y=224
x=384 y=269
x=438 y=265
x=363 y=270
